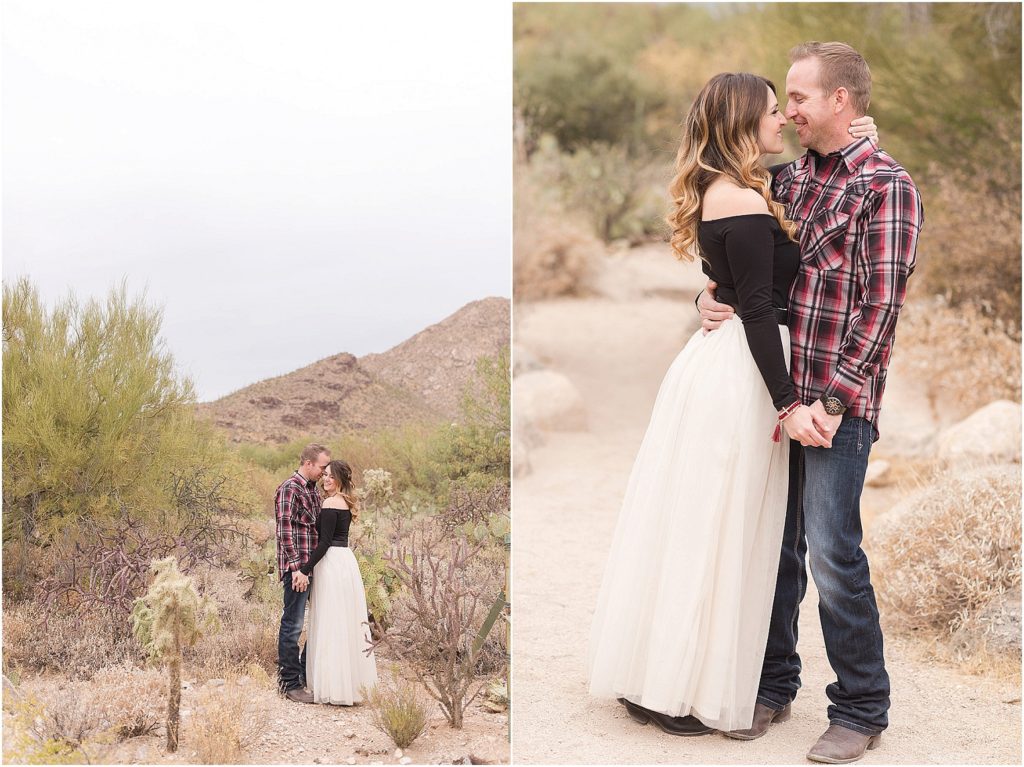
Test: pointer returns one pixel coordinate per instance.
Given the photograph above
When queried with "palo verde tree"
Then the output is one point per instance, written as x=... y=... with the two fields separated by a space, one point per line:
x=90 y=399
x=99 y=429
x=170 y=617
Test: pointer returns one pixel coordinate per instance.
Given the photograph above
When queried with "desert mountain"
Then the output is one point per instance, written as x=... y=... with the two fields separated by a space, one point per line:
x=421 y=379
x=438 y=363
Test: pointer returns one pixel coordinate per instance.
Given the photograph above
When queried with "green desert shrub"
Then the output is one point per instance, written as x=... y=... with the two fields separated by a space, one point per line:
x=399 y=708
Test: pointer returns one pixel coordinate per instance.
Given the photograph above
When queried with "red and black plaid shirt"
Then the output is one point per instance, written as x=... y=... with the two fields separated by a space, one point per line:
x=859 y=216
x=296 y=507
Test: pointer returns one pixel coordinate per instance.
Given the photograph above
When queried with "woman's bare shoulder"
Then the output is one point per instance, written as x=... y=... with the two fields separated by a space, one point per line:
x=336 y=503
x=723 y=200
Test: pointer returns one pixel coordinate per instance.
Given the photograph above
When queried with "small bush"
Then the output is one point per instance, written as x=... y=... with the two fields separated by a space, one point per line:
x=551 y=257
x=962 y=359
x=133 y=701
x=32 y=737
x=75 y=722
x=399 y=709
x=941 y=558
x=227 y=723
x=971 y=241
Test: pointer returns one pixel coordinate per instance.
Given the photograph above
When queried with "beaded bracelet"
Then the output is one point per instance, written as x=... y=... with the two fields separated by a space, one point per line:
x=783 y=415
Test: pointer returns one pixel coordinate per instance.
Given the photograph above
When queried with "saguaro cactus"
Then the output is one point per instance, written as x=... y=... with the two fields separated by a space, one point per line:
x=170 y=617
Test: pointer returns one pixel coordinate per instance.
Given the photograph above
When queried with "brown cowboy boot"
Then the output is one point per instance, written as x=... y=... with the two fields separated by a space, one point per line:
x=763 y=716
x=841 y=745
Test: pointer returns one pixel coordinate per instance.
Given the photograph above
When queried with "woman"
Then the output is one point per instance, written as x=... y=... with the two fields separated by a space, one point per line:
x=338 y=660
x=682 y=618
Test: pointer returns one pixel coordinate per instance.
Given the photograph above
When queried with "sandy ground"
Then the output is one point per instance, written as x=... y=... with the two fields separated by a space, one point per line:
x=616 y=347
x=298 y=733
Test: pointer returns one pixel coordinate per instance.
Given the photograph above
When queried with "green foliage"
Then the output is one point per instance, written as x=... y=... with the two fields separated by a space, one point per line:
x=619 y=196
x=258 y=569
x=477 y=450
x=65 y=734
x=947 y=77
x=381 y=584
x=87 y=391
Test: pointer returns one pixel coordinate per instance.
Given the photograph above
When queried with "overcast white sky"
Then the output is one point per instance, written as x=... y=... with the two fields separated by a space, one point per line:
x=287 y=180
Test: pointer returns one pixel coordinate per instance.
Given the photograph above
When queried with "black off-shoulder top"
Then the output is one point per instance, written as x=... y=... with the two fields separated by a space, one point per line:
x=332 y=528
x=754 y=263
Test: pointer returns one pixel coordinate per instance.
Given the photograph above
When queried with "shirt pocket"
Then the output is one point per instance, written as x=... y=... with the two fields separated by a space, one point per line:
x=306 y=514
x=823 y=244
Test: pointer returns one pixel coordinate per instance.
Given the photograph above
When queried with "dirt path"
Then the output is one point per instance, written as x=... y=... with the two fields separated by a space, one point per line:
x=615 y=348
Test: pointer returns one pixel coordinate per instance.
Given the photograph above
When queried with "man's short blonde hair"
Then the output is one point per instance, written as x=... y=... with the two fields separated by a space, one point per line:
x=312 y=452
x=841 y=67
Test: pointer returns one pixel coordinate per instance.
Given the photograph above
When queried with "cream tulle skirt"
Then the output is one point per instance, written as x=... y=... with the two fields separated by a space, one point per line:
x=337 y=664
x=684 y=606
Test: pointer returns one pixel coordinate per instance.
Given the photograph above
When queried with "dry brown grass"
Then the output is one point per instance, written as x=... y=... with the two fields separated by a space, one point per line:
x=77 y=721
x=945 y=553
x=248 y=631
x=74 y=645
x=226 y=724
x=971 y=241
x=133 y=701
x=962 y=359
x=551 y=250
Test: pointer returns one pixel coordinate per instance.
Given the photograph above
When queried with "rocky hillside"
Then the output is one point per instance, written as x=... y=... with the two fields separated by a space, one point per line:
x=438 y=363
x=420 y=379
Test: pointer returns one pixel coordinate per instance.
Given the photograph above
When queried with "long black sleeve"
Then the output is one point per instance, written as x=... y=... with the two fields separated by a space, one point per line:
x=750 y=252
x=328 y=522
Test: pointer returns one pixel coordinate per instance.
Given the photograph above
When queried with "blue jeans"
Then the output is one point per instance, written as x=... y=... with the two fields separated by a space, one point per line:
x=823 y=519
x=291 y=666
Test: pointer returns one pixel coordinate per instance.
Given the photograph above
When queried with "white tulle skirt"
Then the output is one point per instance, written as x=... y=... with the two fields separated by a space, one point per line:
x=337 y=663
x=683 y=611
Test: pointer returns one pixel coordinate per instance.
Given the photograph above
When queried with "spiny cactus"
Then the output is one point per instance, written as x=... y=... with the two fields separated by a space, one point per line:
x=168 y=618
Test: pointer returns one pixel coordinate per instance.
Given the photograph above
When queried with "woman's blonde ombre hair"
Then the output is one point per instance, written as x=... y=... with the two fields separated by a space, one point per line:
x=720 y=137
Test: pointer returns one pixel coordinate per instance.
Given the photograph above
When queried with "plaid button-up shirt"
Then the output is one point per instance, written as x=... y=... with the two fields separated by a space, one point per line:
x=859 y=216
x=296 y=507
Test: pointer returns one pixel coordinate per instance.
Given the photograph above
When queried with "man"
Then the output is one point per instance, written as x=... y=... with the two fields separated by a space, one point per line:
x=296 y=507
x=859 y=216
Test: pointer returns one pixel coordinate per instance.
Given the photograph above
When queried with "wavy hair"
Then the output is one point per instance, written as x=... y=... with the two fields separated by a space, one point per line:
x=342 y=473
x=720 y=138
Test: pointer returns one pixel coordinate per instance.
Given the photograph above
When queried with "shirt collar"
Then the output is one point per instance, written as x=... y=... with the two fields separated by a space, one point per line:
x=309 y=483
x=853 y=155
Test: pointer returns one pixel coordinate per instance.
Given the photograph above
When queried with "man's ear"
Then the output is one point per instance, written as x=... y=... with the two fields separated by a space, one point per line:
x=840 y=99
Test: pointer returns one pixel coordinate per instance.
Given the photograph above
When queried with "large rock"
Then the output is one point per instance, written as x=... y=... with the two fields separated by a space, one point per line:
x=989 y=435
x=548 y=400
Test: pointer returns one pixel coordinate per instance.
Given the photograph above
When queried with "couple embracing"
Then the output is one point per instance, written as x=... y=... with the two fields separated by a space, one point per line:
x=317 y=568
x=696 y=624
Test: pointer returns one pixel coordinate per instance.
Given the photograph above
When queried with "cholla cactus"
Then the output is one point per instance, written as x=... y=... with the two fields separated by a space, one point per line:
x=377 y=488
x=170 y=617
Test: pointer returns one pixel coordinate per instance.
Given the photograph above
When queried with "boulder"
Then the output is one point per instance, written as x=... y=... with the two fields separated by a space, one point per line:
x=549 y=401
x=989 y=435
